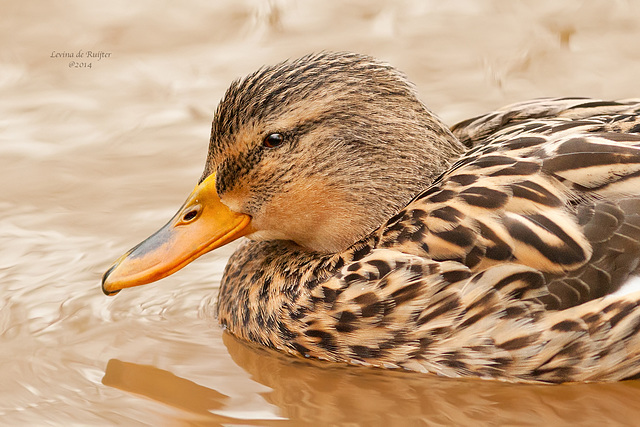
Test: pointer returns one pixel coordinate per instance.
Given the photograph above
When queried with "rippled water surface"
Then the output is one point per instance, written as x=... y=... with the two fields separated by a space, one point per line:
x=92 y=160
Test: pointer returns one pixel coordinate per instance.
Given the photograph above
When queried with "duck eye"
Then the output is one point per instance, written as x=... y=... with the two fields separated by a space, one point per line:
x=273 y=140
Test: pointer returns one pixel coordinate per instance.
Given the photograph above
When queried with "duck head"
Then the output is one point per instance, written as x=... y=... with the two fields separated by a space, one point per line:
x=319 y=151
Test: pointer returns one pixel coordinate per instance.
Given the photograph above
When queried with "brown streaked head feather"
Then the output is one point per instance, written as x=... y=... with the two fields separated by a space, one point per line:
x=339 y=115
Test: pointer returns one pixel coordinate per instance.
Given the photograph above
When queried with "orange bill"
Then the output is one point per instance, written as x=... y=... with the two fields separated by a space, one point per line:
x=203 y=223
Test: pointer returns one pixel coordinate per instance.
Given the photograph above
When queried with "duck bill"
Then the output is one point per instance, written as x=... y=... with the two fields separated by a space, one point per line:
x=202 y=224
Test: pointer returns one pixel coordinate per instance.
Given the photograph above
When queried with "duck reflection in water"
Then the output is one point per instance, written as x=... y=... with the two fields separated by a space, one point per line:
x=309 y=392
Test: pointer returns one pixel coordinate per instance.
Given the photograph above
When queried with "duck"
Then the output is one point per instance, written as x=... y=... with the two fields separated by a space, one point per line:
x=500 y=248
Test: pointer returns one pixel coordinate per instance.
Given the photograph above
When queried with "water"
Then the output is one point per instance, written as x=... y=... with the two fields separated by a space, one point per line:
x=92 y=160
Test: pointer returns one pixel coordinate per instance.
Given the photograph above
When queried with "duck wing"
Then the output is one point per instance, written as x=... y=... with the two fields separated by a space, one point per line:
x=549 y=116
x=558 y=194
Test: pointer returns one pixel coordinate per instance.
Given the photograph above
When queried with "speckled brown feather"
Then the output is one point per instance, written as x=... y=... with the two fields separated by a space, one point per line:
x=504 y=267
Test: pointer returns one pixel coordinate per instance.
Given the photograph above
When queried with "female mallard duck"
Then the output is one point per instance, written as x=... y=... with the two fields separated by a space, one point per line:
x=380 y=237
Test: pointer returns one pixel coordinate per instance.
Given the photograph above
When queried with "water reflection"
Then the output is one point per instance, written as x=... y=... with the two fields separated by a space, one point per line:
x=163 y=387
x=312 y=392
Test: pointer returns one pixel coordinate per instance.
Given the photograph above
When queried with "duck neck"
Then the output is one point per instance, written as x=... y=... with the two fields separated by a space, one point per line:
x=391 y=171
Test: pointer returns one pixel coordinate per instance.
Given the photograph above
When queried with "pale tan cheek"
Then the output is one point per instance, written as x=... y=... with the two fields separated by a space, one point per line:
x=294 y=211
x=314 y=216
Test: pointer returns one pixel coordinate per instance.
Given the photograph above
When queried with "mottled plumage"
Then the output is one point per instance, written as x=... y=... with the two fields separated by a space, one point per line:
x=499 y=262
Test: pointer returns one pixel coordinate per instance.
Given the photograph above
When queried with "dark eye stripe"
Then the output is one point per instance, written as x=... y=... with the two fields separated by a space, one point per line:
x=234 y=167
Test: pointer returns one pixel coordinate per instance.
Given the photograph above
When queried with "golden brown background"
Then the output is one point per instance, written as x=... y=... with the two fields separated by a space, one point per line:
x=94 y=159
